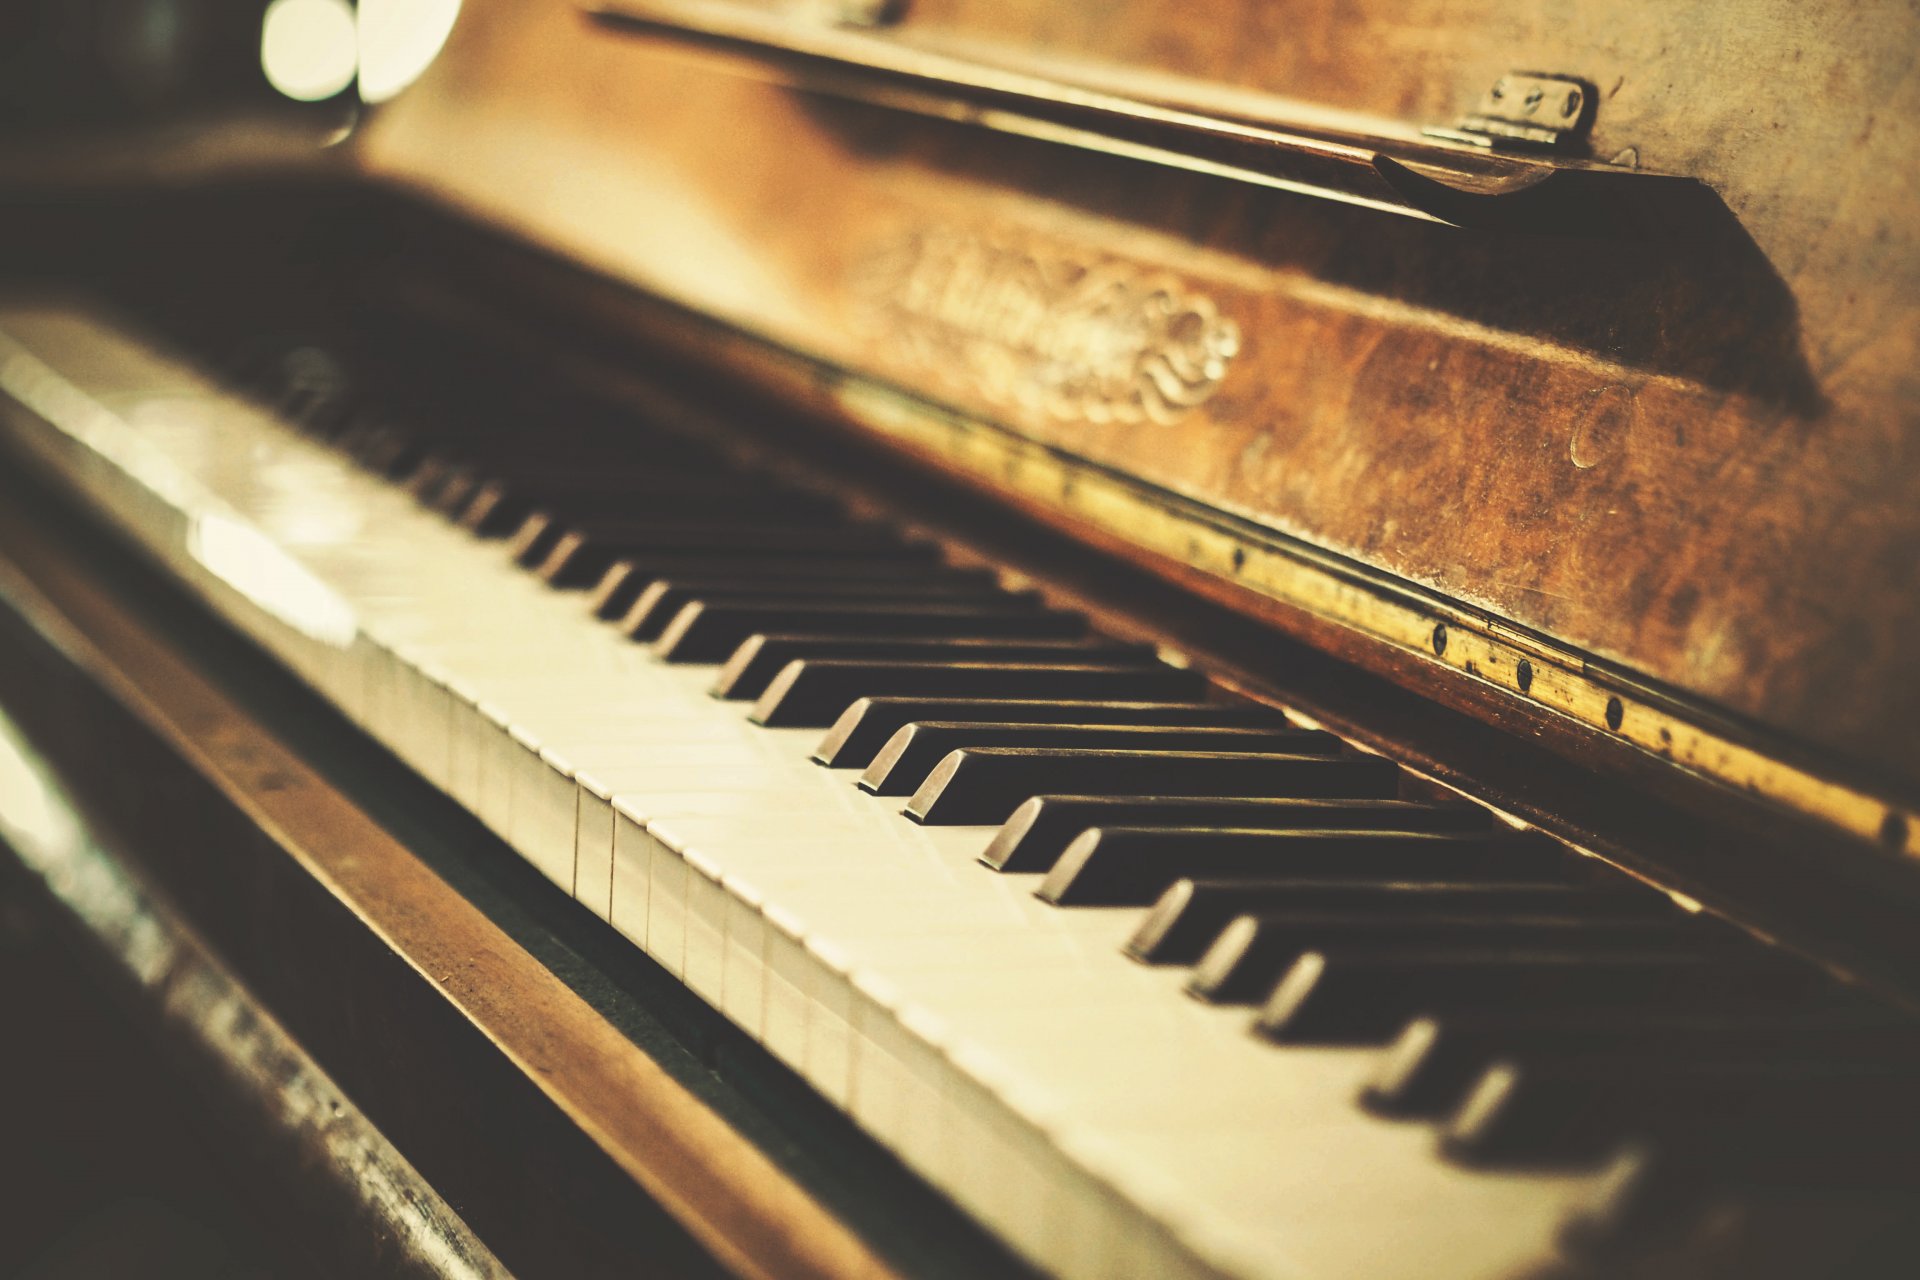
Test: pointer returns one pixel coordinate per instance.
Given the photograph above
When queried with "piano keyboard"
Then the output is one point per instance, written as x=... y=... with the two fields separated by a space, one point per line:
x=1151 y=982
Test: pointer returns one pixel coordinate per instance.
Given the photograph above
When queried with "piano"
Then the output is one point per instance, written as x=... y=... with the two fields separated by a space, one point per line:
x=949 y=638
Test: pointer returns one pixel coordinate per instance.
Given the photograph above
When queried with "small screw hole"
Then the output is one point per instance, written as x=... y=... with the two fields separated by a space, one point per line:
x=1524 y=674
x=1239 y=559
x=1615 y=713
x=1440 y=638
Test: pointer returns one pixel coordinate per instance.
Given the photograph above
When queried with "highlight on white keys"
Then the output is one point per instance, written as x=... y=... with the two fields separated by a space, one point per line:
x=312 y=50
x=253 y=565
x=35 y=819
x=399 y=39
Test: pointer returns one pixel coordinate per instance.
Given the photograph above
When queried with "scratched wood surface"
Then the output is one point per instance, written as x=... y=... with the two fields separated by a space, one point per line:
x=1695 y=455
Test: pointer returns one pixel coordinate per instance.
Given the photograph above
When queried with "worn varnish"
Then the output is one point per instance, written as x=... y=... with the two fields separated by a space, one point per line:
x=1692 y=454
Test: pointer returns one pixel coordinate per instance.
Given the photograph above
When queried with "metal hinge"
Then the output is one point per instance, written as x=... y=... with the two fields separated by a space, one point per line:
x=1528 y=111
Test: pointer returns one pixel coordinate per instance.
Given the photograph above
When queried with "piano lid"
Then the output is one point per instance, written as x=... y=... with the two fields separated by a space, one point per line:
x=1607 y=420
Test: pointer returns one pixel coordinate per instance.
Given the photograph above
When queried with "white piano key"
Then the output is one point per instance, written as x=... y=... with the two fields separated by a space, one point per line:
x=705 y=930
x=593 y=846
x=528 y=780
x=402 y=706
x=433 y=712
x=908 y=1045
x=786 y=1014
x=1101 y=1234
x=1002 y=1161
x=827 y=987
x=494 y=777
x=464 y=738
x=631 y=877
x=743 y=974
x=546 y=816
x=377 y=687
x=877 y=1089
x=666 y=908
x=372 y=660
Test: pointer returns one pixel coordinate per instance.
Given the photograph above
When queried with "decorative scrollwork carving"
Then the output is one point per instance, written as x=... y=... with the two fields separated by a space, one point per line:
x=1031 y=327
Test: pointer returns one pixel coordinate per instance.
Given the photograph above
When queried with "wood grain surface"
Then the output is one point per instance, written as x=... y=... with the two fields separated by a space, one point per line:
x=1692 y=454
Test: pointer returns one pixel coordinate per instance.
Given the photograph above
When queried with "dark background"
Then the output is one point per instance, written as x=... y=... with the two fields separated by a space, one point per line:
x=108 y=1170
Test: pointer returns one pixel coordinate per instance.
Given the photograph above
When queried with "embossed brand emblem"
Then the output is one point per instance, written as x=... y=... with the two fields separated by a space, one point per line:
x=1027 y=326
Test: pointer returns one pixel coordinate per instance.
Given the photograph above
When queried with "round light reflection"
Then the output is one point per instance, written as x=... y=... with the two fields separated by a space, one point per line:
x=308 y=48
x=399 y=39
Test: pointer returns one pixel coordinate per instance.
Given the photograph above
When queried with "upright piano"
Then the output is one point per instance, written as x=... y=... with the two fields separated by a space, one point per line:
x=953 y=637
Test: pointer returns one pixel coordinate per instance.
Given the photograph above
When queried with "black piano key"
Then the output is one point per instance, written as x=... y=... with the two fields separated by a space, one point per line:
x=564 y=529
x=430 y=477
x=322 y=417
x=500 y=508
x=644 y=596
x=1041 y=829
x=1426 y=1070
x=979 y=785
x=534 y=540
x=551 y=534
x=359 y=434
x=300 y=381
x=1344 y=997
x=399 y=458
x=451 y=491
x=812 y=694
x=906 y=760
x=329 y=423
x=710 y=630
x=1132 y=866
x=355 y=433
x=581 y=468
x=1247 y=959
x=388 y=451
x=1781 y=1112
x=1652 y=1202
x=1191 y=914
x=535 y=537
x=582 y=449
x=624 y=486
x=455 y=492
x=629 y=592
x=580 y=559
x=1643 y=1198
x=857 y=736
x=755 y=664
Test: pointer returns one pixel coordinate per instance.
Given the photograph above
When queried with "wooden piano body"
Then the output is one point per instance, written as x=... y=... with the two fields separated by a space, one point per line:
x=1576 y=478
x=1673 y=452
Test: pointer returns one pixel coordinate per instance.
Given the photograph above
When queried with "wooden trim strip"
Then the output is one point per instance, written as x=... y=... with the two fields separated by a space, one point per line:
x=261 y=1071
